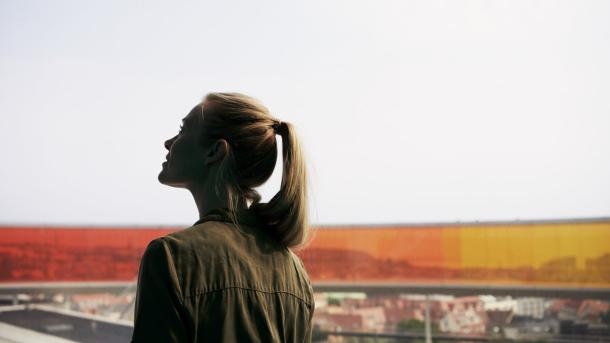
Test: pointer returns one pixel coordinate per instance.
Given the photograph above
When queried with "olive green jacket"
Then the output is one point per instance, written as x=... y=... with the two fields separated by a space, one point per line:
x=217 y=282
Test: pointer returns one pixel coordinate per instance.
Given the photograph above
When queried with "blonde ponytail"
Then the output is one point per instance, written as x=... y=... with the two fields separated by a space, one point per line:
x=251 y=133
x=286 y=212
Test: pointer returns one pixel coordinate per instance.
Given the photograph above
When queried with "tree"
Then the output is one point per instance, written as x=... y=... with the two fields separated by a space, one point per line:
x=414 y=325
x=317 y=335
x=605 y=317
x=334 y=301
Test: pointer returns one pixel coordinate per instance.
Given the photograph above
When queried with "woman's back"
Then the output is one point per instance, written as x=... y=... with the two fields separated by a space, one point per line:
x=215 y=282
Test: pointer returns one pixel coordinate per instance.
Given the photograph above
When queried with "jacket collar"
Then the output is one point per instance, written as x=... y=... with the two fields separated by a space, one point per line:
x=244 y=216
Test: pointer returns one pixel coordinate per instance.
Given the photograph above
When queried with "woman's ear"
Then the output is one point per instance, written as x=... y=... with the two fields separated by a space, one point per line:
x=217 y=151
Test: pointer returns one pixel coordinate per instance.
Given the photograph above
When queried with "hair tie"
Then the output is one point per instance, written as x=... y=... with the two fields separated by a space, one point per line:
x=277 y=126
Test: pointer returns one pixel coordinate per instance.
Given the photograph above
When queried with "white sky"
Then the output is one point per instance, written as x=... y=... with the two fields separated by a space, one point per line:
x=410 y=111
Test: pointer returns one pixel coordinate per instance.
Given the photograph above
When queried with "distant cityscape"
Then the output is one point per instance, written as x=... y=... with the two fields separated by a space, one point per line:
x=500 y=317
x=525 y=318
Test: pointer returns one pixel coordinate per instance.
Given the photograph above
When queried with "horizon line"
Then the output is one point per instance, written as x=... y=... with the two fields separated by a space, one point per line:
x=335 y=225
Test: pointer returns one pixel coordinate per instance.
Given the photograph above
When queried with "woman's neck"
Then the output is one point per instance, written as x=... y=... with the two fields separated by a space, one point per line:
x=207 y=200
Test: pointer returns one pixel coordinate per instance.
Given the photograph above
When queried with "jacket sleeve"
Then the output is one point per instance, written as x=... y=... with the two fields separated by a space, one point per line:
x=309 y=329
x=159 y=311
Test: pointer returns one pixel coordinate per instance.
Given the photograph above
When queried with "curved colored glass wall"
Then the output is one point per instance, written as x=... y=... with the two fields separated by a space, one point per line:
x=562 y=254
x=548 y=254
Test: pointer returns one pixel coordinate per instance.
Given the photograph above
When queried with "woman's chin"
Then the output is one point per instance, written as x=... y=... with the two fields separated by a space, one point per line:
x=166 y=180
x=163 y=176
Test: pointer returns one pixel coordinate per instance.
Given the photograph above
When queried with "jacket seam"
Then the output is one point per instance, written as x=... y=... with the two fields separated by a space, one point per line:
x=246 y=289
x=172 y=271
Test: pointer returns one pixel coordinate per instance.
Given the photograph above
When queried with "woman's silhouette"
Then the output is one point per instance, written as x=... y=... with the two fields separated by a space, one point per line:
x=231 y=277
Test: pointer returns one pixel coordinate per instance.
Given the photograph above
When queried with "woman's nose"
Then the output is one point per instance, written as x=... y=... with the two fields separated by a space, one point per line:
x=168 y=143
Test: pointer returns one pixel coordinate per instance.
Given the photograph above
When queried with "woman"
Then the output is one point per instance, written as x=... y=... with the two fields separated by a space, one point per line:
x=231 y=277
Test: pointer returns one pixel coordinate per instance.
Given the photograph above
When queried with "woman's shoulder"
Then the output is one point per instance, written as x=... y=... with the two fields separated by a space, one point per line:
x=303 y=275
x=201 y=236
x=212 y=238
